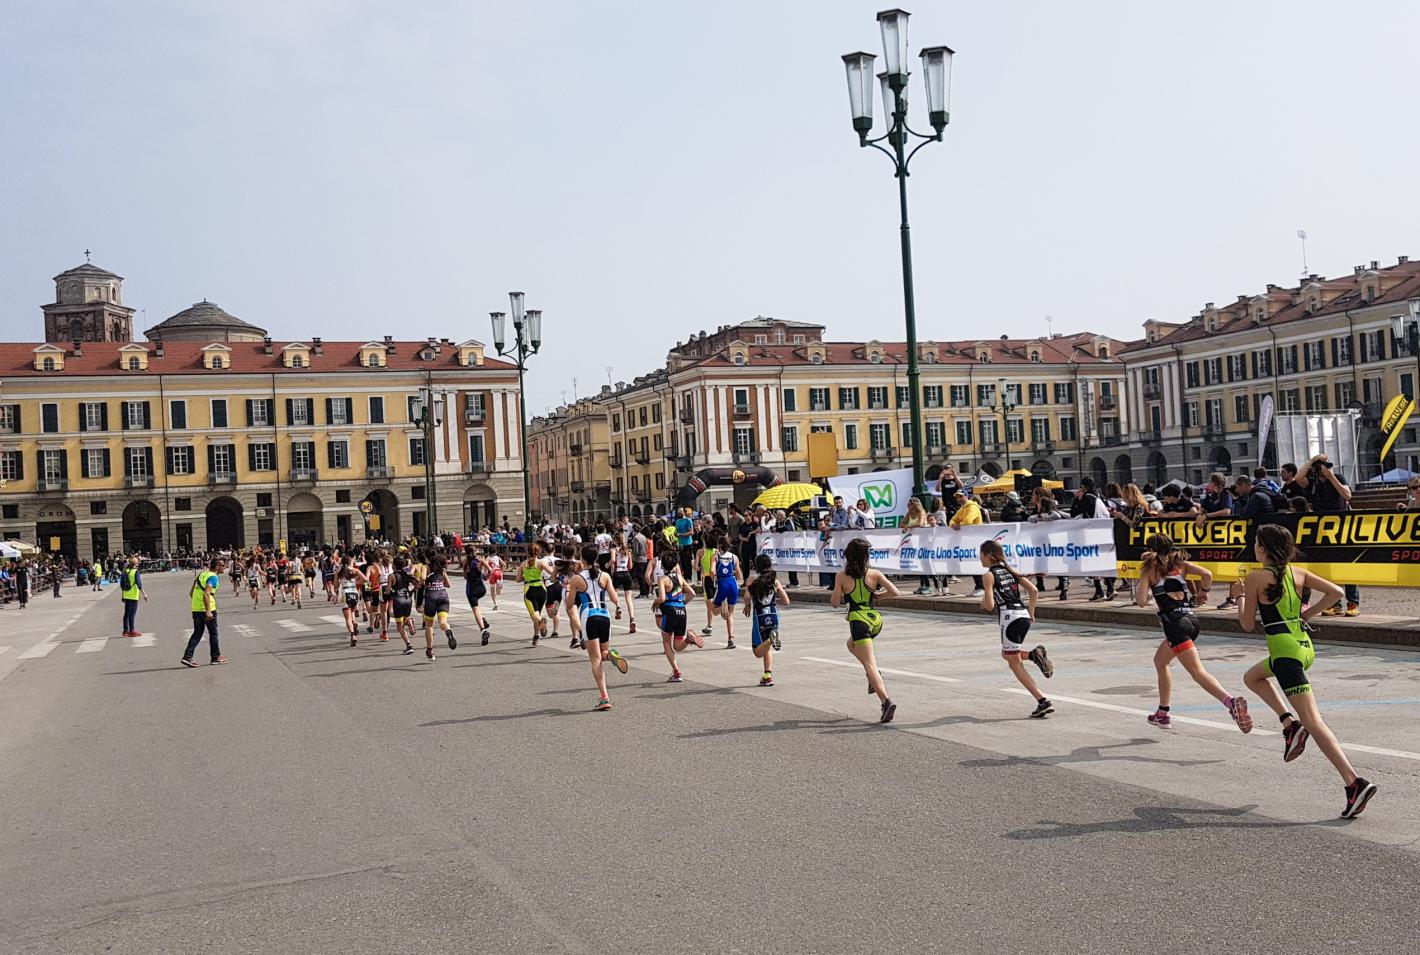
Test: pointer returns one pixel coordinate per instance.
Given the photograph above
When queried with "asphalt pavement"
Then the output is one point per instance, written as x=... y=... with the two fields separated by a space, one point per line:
x=315 y=797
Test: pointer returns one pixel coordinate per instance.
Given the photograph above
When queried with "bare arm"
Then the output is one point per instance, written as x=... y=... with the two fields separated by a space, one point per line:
x=1330 y=593
x=610 y=589
x=1141 y=589
x=1032 y=594
x=1202 y=573
x=1253 y=586
x=781 y=593
x=988 y=597
x=836 y=598
x=883 y=586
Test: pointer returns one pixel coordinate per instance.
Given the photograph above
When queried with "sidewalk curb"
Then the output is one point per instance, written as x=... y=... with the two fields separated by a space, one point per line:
x=1344 y=632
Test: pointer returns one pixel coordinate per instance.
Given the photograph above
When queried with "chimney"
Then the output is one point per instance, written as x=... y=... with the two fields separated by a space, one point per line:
x=1207 y=304
x=78 y=349
x=266 y=345
x=1375 y=264
x=1357 y=269
x=1401 y=260
x=158 y=350
x=316 y=345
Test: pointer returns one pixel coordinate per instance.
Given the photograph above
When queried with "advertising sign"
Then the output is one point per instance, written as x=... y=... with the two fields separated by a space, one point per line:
x=887 y=493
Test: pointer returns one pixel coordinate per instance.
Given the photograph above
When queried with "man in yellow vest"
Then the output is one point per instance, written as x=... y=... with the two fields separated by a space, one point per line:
x=204 y=612
x=130 y=584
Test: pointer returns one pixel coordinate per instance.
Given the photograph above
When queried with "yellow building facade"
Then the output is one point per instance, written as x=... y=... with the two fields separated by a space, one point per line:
x=151 y=447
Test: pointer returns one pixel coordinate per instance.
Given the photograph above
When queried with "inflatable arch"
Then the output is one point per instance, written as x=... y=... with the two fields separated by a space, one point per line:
x=715 y=477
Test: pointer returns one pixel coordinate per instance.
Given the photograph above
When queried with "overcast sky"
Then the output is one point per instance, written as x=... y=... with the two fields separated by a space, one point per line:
x=643 y=171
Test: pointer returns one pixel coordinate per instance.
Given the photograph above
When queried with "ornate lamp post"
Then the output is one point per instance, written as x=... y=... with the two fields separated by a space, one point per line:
x=527 y=340
x=936 y=73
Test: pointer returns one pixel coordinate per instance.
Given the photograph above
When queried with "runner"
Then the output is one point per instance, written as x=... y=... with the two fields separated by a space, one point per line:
x=672 y=589
x=254 y=574
x=727 y=585
x=308 y=570
x=860 y=585
x=554 y=579
x=386 y=592
x=705 y=562
x=1003 y=595
x=293 y=582
x=1279 y=592
x=591 y=590
x=329 y=562
x=495 y=578
x=621 y=576
x=436 y=605
x=235 y=573
x=573 y=566
x=269 y=568
x=373 y=599
x=474 y=587
x=349 y=580
x=402 y=606
x=1163 y=573
x=534 y=593
x=766 y=595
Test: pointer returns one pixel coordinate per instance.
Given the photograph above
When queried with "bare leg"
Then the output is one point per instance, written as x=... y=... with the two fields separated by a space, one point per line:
x=1258 y=679
x=1193 y=663
x=1310 y=716
x=666 y=644
x=863 y=652
x=594 y=653
x=1163 y=658
x=1016 y=661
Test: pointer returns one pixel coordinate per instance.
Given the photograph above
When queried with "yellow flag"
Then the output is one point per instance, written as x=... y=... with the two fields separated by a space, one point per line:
x=1397 y=412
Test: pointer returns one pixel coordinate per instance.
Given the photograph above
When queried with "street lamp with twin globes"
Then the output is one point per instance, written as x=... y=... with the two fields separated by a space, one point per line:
x=527 y=340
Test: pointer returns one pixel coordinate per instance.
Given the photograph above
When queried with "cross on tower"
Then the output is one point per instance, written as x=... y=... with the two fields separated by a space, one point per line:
x=86 y=256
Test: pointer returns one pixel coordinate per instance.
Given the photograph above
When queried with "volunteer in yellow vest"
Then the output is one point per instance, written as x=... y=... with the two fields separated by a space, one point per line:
x=130 y=584
x=204 y=612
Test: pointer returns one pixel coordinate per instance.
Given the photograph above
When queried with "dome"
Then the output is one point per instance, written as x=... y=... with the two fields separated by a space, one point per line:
x=206 y=322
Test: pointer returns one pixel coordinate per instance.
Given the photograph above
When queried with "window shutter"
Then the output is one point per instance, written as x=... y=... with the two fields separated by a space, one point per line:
x=369 y=452
x=123 y=407
x=1335 y=352
x=148 y=459
x=179 y=414
x=329 y=445
x=168 y=460
x=83 y=418
x=19 y=429
x=290 y=407
x=1380 y=346
x=330 y=411
x=147 y=417
x=103 y=416
x=251 y=455
x=19 y=466
x=64 y=463
x=310 y=410
x=84 y=463
x=108 y=468
x=250 y=414
x=211 y=459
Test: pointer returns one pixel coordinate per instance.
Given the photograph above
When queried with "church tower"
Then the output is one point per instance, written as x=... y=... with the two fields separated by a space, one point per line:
x=88 y=307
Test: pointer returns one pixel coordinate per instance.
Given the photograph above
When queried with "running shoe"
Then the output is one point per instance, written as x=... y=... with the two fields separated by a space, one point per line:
x=1237 y=708
x=385 y=638
x=535 y=639
x=429 y=653
x=1357 y=795
x=1294 y=740
x=1353 y=609
x=633 y=627
x=573 y=644
x=487 y=633
x=774 y=640
x=1040 y=658
x=1160 y=718
x=453 y=644
x=1333 y=611
x=602 y=705
x=188 y=662
x=889 y=711
x=1043 y=708
x=218 y=661
x=1229 y=604
x=706 y=630
x=618 y=660
x=408 y=649
x=730 y=645
x=767 y=680
x=582 y=643
x=978 y=592
x=676 y=678
x=698 y=640
x=353 y=641
x=618 y=613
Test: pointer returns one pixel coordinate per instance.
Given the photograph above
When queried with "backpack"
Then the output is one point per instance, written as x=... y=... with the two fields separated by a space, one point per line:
x=1279 y=502
x=638 y=549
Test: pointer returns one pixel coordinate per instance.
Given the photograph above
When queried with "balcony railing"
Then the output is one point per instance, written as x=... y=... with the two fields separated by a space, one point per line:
x=1111 y=440
x=1213 y=432
x=55 y=484
x=138 y=480
x=742 y=411
x=687 y=416
x=617 y=461
x=577 y=487
x=303 y=475
x=682 y=462
x=574 y=449
x=746 y=457
x=992 y=447
x=643 y=457
x=480 y=467
x=884 y=454
x=1152 y=389
x=1152 y=436
x=221 y=477
x=818 y=406
x=376 y=472
x=1042 y=445
x=1108 y=402
x=938 y=450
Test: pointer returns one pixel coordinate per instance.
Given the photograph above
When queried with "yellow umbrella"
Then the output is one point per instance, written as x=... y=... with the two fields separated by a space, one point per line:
x=1007 y=482
x=788 y=495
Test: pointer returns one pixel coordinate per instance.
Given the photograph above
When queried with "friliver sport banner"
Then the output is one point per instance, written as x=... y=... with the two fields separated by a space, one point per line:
x=1070 y=548
x=1369 y=548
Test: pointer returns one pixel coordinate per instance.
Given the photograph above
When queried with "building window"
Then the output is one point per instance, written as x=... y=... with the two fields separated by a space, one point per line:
x=1015 y=430
x=1037 y=393
x=1237 y=367
x=987 y=429
x=219 y=412
x=300 y=412
x=964 y=433
x=297 y=361
x=475 y=448
x=263 y=499
x=1064 y=392
x=221 y=458
x=135 y=462
x=1039 y=430
x=791 y=402
x=96 y=508
x=92 y=416
x=1240 y=408
x=182 y=503
x=337 y=455
x=616 y=424
x=877 y=397
x=49 y=418
x=9 y=419
x=375 y=453
x=416 y=451
x=1190 y=414
x=179 y=459
x=818 y=399
x=789 y=437
x=643 y=417
x=303 y=455
x=848 y=399
x=744 y=440
x=177 y=415
x=1213 y=412
x=11 y=468
x=377 y=409
x=850 y=437
x=339 y=410
x=985 y=395
x=936 y=434
x=879 y=436
x=262 y=457
x=1213 y=371
x=1316 y=398
x=1013 y=395
x=258 y=413
x=656 y=441
x=1067 y=428
x=342 y=496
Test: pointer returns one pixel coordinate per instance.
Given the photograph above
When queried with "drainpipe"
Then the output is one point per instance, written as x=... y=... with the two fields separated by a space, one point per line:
x=971 y=409
x=1276 y=391
x=276 y=460
x=1182 y=416
x=167 y=499
x=1079 y=425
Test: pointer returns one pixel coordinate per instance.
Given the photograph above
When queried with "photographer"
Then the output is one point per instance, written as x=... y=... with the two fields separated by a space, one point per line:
x=1329 y=494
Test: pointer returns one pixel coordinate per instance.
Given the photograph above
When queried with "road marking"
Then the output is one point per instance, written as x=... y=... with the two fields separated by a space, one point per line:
x=144 y=640
x=331 y=618
x=37 y=651
x=858 y=666
x=3 y=649
x=295 y=626
x=92 y=645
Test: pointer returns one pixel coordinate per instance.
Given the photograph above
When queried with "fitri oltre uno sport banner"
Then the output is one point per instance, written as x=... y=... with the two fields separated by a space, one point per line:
x=1369 y=548
x=1071 y=548
x=1376 y=548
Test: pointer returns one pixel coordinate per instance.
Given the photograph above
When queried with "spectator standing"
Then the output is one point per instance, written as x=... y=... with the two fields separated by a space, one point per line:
x=685 y=541
x=1047 y=509
x=1088 y=505
x=862 y=517
x=1329 y=494
x=916 y=519
x=130 y=583
x=1217 y=499
x=947 y=488
x=22 y=583
x=838 y=516
x=968 y=512
x=1013 y=511
x=204 y=613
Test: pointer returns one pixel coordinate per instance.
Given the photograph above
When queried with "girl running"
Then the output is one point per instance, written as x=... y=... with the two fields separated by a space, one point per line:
x=254 y=581
x=236 y=574
x=308 y=570
x=671 y=593
x=495 y=578
x=554 y=579
x=1163 y=573
x=436 y=605
x=1003 y=595
x=727 y=585
x=402 y=606
x=705 y=561
x=349 y=581
x=574 y=620
x=1279 y=593
x=293 y=582
x=328 y=564
x=592 y=590
x=474 y=587
x=534 y=593
x=386 y=592
x=271 y=577
x=620 y=562
x=766 y=595
x=860 y=585
x=373 y=598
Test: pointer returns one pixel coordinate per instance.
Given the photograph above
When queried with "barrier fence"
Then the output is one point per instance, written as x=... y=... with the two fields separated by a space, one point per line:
x=1375 y=548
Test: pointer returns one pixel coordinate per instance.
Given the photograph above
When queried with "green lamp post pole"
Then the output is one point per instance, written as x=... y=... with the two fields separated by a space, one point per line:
x=527 y=340
x=428 y=419
x=936 y=73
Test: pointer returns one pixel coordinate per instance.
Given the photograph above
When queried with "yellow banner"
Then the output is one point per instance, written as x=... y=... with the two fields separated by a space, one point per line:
x=1397 y=412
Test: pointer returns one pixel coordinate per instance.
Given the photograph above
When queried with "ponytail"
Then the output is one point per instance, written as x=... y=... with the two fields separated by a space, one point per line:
x=762 y=590
x=1162 y=557
x=997 y=554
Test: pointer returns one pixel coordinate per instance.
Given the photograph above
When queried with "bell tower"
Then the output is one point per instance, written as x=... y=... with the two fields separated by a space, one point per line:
x=88 y=307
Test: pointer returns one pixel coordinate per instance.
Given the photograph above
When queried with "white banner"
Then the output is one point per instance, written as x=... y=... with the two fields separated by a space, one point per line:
x=1069 y=548
x=886 y=492
x=1264 y=424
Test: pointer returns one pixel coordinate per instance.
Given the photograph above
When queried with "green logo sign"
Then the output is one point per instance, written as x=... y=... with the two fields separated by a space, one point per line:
x=878 y=495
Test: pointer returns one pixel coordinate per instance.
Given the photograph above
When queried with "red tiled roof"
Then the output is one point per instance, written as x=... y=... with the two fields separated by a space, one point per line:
x=103 y=358
x=1350 y=298
x=1063 y=349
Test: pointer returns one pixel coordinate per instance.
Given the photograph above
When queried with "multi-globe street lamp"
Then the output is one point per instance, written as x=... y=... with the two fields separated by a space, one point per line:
x=527 y=339
x=936 y=73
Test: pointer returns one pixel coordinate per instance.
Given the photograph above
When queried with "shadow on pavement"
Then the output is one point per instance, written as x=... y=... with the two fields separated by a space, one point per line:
x=1087 y=754
x=500 y=717
x=1159 y=818
x=775 y=727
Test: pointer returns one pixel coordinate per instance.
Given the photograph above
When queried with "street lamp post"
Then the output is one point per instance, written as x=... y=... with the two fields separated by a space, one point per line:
x=429 y=417
x=527 y=340
x=1005 y=406
x=936 y=73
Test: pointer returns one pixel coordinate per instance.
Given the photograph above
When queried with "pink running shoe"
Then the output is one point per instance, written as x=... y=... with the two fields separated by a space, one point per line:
x=1160 y=718
x=1237 y=706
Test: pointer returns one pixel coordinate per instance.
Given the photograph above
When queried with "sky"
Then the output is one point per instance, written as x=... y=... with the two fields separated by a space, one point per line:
x=644 y=171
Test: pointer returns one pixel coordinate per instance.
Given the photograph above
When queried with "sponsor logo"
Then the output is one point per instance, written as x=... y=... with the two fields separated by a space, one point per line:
x=878 y=495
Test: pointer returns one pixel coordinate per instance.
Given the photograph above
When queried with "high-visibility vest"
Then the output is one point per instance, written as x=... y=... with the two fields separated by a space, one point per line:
x=129 y=581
